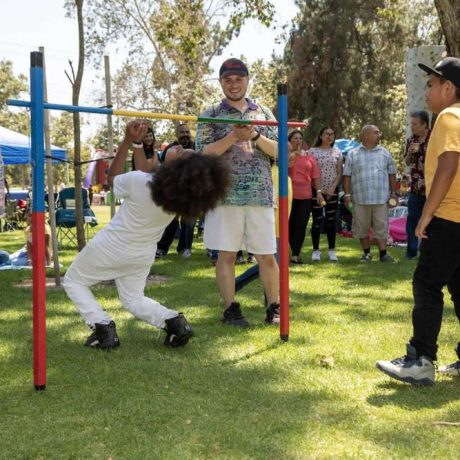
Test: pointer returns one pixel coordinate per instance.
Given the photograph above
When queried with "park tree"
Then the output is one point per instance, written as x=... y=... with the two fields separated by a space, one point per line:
x=171 y=44
x=345 y=62
x=76 y=79
x=11 y=87
x=449 y=17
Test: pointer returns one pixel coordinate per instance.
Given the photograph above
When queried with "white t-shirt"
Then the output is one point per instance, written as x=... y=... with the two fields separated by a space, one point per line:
x=139 y=223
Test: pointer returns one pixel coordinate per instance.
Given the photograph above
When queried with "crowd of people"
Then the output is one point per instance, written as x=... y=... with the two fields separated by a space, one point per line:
x=224 y=180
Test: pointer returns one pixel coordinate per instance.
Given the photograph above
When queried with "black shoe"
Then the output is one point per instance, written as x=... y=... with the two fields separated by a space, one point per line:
x=233 y=316
x=178 y=331
x=160 y=253
x=104 y=336
x=273 y=314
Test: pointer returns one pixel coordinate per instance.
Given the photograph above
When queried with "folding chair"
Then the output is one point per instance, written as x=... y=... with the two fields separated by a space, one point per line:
x=66 y=223
x=12 y=216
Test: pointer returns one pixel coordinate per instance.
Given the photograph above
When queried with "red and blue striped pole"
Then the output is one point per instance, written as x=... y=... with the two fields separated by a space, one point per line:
x=283 y=211
x=38 y=221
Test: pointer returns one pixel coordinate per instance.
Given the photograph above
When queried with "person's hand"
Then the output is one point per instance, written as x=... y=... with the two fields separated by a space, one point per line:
x=421 y=227
x=347 y=201
x=291 y=159
x=244 y=132
x=136 y=130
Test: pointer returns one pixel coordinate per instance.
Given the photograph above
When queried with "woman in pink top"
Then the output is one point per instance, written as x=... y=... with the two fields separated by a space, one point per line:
x=304 y=172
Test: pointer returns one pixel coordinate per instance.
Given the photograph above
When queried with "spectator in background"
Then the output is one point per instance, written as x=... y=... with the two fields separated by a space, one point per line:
x=414 y=157
x=184 y=247
x=150 y=153
x=330 y=162
x=303 y=171
x=369 y=179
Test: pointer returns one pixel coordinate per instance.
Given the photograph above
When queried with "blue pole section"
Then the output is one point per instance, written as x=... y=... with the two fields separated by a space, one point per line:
x=38 y=220
x=63 y=107
x=283 y=211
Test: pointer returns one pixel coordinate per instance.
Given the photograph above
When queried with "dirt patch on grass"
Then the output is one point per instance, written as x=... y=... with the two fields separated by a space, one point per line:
x=50 y=282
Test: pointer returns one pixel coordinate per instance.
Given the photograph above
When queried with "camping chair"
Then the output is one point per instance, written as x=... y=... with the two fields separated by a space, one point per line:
x=12 y=216
x=66 y=224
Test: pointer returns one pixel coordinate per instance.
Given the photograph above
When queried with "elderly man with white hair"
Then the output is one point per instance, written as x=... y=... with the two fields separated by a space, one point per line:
x=369 y=180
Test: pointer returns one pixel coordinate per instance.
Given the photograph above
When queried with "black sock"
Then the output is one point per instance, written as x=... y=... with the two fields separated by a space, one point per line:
x=367 y=250
x=383 y=252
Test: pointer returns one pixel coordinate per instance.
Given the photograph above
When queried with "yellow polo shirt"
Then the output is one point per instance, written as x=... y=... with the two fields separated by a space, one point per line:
x=445 y=137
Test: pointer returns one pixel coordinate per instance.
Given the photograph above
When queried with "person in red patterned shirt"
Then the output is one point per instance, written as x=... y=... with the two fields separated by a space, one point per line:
x=415 y=158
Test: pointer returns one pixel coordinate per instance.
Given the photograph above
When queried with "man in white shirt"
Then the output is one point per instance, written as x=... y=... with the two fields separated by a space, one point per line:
x=125 y=249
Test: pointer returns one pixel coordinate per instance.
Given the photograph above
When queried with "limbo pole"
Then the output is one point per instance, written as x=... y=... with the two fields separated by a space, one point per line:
x=283 y=211
x=38 y=220
x=158 y=116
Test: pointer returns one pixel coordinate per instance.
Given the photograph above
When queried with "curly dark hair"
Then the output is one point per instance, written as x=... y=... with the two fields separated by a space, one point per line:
x=192 y=185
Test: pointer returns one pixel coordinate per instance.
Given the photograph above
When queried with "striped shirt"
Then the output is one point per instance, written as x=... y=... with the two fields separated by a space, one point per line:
x=369 y=170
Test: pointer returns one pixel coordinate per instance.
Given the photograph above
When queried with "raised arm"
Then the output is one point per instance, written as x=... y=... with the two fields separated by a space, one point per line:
x=134 y=133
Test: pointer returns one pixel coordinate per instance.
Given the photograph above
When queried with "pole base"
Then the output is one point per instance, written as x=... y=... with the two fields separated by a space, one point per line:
x=40 y=387
x=284 y=338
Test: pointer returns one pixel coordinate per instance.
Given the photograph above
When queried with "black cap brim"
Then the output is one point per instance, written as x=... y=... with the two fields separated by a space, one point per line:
x=430 y=70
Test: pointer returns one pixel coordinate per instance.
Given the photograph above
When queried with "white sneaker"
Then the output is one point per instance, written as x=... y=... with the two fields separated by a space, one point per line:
x=451 y=369
x=316 y=256
x=409 y=368
x=333 y=256
x=186 y=253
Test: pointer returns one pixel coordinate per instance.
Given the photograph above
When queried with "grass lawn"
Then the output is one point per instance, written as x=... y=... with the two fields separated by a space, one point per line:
x=230 y=393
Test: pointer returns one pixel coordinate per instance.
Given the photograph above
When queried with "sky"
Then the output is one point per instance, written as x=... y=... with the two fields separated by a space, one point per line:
x=27 y=24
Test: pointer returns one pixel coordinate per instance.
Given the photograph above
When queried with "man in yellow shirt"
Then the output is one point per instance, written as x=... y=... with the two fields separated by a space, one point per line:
x=439 y=232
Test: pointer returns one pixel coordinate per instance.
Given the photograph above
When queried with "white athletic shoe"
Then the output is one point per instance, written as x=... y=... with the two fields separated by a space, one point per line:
x=333 y=256
x=409 y=368
x=316 y=256
x=451 y=369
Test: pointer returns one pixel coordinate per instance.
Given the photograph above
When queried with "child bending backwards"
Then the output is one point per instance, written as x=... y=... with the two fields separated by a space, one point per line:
x=187 y=185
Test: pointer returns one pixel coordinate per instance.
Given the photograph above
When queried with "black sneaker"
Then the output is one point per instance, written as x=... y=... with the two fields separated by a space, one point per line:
x=273 y=314
x=233 y=316
x=104 y=336
x=178 y=331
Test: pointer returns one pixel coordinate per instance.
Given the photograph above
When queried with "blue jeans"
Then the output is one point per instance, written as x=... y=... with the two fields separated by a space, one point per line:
x=415 y=207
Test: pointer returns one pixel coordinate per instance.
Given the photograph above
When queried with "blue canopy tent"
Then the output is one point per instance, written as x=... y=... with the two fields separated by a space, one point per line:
x=15 y=148
x=345 y=145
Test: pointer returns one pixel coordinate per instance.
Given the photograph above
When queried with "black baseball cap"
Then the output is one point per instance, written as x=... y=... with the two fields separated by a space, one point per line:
x=233 y=66
x=448 y=68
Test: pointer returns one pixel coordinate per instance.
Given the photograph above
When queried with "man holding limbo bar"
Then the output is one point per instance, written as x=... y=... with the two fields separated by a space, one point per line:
x=246 y=216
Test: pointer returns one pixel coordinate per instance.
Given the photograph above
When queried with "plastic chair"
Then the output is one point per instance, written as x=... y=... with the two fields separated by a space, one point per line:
x=66 y=224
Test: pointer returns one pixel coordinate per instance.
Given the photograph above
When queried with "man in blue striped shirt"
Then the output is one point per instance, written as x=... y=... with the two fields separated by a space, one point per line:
x=369 y=180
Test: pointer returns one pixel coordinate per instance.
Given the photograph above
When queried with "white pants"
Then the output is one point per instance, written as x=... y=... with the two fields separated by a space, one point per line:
x=95 y=264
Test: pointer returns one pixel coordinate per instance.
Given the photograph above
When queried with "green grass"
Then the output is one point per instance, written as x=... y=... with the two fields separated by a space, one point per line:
x=230 y=394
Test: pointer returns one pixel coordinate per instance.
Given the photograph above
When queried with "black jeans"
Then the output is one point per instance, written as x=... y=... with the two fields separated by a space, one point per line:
x=317 y=213
x=438 y=266
x=298 y=220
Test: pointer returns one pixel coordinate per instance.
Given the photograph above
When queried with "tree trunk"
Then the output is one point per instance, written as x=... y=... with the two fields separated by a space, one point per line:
x=76 y=86
x=449 y=16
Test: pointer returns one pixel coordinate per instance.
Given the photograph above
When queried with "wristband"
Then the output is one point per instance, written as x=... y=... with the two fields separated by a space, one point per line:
x=346 y=195
x=256 y=137
x=137 y=145
x=318 y=191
